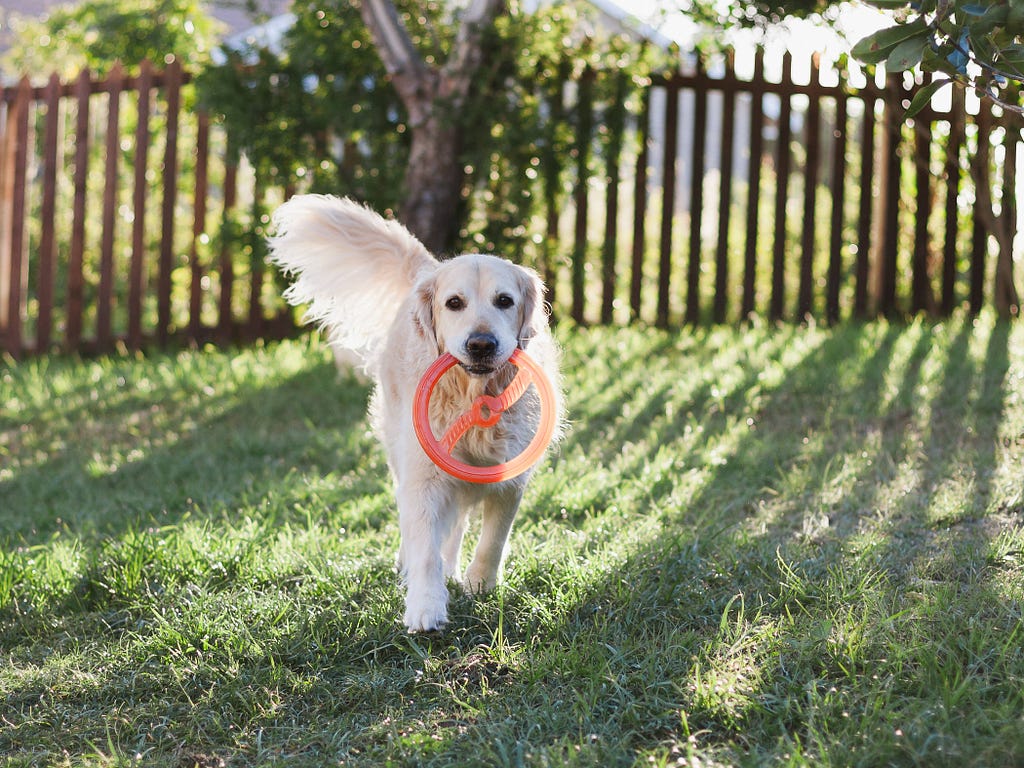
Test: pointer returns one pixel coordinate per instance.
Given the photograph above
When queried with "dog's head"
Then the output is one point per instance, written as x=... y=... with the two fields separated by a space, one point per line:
x=480 y=308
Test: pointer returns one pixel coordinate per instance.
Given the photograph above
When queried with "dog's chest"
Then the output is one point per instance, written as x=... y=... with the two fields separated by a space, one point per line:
x=481 y=446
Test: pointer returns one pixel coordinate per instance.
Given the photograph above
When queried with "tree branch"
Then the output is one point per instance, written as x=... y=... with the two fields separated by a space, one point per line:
x=408 y=71
x=467 y=53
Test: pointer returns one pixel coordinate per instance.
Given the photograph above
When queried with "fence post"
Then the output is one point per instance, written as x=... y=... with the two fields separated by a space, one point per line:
x=137 y=274
x=862 y=262
x=812 y=129
x=615 y=122
x=552 y=165
x=48 y=241
x=14 y=278
x=921 y=297
x=782 y=165
x=172 y=75
x=979 y=237
x=838 y=185
x=668 y=197
x=225 y=313
x=1006 y=296
x=76 y=279
x=890 y=198
x=257 y=265
x=753 y=184
x=954 y=143
x=198 y=227
x=114 y=84
x=584 y=128
x=640 y=210
x=721 y=299
x=700 y=111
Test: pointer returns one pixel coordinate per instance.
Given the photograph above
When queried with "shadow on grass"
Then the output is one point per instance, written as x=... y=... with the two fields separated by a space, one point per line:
x=774 y=586
x=142 y=460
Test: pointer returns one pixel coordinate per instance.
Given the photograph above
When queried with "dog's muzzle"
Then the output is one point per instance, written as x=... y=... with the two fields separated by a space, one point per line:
x=481 y=349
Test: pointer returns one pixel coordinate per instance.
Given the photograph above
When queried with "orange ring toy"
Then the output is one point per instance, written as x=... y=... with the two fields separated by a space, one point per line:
x=484 y=412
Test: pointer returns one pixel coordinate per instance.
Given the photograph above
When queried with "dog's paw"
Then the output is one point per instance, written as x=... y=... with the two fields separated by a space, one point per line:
x=479 y=580
x=426 y=613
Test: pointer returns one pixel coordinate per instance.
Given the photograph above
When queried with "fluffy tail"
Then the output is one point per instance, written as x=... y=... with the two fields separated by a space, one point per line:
x=352 y=266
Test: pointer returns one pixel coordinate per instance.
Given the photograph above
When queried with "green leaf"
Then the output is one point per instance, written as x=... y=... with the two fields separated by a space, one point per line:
x=907 y=54
x=877 y=47
x=923 y=97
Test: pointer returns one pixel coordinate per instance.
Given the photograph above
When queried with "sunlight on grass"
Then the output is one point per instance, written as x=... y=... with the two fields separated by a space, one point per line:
x=756 y=545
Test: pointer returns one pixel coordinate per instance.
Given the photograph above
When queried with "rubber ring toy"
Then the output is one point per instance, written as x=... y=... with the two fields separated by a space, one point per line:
x=485 y=412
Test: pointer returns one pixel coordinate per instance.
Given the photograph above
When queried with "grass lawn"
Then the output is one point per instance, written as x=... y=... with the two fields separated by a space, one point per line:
x=758 y=546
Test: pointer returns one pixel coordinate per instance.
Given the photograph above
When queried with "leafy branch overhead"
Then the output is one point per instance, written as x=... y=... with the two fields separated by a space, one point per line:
x=977 y=43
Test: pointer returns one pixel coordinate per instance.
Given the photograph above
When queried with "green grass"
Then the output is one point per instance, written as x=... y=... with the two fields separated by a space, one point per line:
x=758 y=546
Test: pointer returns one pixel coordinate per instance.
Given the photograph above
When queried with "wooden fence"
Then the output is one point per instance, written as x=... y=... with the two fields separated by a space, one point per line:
x=106 y=208
x=798 y=200
x=126 y=220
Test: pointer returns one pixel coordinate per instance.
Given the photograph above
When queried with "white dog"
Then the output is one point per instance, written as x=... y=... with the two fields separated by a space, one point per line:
x=382 y=296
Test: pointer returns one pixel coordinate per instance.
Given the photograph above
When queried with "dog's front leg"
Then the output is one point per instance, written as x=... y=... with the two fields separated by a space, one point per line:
x=499 y=510
x=425 y=518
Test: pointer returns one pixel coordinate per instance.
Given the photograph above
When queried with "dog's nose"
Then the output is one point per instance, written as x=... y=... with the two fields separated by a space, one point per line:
x=481 y=345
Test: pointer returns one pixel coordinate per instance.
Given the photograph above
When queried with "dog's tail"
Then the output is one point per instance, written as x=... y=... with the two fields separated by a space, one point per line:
x=352 y=267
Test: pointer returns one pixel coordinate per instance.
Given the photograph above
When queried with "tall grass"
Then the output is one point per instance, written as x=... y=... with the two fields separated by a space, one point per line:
x=785 y=546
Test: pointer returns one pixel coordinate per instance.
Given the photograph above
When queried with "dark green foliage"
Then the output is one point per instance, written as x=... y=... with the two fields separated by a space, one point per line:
x=96 y=33
x=977 y=43
x=322 y=117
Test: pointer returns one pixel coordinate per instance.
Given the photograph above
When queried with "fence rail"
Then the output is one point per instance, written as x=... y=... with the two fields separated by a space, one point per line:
x=127 y=219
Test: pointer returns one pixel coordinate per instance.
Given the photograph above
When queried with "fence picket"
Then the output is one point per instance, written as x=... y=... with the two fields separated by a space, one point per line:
x=17 y=269
x=615 y=125
x=668 y=198
x=225 y=317
x=198 y=226
x=725 y=185
x=782 y=164
x=636 y=278
x=865 y=216
x=137 y=273
x=697 y=169
x=169 y=201
x=48 y=241
x=921 y=296
x=581 y=196
x=838 y=176
x=76 y=277
x=954 y=144
x=812 y=167
x=754 y=164
x=105 y=300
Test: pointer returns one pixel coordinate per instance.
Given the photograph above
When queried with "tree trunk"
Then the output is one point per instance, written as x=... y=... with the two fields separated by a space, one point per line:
x=433 y=182
x=433 y=96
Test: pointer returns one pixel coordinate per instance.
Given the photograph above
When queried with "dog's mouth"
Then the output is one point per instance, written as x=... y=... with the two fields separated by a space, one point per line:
x=478 y=369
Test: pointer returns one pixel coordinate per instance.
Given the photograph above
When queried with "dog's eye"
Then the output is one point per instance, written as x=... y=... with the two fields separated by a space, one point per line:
x=455 y=303
x=504 y=301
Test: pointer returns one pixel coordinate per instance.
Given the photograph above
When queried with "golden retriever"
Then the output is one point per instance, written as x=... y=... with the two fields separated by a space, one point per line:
x=387 y=301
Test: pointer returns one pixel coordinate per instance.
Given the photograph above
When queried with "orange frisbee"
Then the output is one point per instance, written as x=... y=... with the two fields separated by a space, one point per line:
x=484 y=412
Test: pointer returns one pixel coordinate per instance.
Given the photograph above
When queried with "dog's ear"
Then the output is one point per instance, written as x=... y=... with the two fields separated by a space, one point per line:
x=423 y=310
x=533 y=316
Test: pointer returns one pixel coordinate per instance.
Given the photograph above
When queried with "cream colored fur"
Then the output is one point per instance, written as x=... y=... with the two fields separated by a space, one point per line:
x=383 y=297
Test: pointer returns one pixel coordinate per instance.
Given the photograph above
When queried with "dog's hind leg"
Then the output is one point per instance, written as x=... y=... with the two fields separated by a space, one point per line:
x=499 y=510
x=426 y=517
